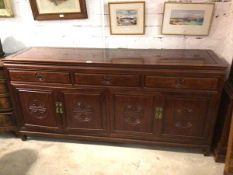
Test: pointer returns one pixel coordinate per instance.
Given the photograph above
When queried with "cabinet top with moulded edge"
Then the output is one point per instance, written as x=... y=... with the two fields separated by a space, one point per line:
x=179 y=58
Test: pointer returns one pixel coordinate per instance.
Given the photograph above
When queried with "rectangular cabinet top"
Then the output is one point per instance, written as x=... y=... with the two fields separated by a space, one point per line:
x=117 y=57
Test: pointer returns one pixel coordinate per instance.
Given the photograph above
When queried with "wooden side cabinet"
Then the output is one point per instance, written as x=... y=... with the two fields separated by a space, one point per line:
x=223 y=123
x=6 y=112
x=157 y=97
x=222 y=128
x=228 y=170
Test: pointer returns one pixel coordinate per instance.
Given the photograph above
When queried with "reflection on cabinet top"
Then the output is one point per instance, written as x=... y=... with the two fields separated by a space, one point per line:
x=118 y=57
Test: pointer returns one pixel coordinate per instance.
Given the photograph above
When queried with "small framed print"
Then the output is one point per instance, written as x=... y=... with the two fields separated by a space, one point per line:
x=187 y=18
x=127 y=18
x=58 y=9
x=5 y=8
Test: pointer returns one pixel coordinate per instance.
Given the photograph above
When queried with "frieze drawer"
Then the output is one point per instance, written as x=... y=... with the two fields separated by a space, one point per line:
x=3 y=87
x=181 y=82
x=6 y=119
x=1 y=74
x=107 y=79
x=5 y=102
x=40 y=76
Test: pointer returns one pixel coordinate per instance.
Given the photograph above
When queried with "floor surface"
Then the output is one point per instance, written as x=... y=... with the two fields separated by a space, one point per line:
x=63 y=157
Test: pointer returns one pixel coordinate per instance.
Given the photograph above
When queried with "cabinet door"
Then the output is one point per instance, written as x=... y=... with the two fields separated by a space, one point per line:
x=186 y=118
x=85 y=111
x=132 y=114
x=37 y=110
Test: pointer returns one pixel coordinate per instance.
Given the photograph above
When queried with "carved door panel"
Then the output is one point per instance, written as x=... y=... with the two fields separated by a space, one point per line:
x=185 y=117
x=132 y=114
x=85 y=111
x=38 y=110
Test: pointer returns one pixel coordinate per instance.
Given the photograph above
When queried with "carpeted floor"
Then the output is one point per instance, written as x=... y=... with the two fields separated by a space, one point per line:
x=61 y=157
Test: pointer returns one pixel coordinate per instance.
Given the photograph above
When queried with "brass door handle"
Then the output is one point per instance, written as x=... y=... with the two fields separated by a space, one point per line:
x=158 y=114
x=59 y=108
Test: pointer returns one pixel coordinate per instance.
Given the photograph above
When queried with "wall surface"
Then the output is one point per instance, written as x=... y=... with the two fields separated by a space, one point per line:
x=22 y=31
x=226 y=49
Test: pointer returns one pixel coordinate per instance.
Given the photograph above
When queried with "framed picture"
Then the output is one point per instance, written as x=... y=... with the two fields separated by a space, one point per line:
x=5 y=8
x=127 y=18
x=187 y=18
x=58 y=9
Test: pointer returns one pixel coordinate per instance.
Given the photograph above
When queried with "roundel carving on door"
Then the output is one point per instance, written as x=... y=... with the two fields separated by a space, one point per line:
x=133 y=114
x=83 y=112
x=37 y=108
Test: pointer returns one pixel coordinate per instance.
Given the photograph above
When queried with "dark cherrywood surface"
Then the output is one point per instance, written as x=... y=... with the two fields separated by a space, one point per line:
x=162 y=97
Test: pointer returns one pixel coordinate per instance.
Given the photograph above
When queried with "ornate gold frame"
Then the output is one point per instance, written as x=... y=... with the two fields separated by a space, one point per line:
x=7 y=11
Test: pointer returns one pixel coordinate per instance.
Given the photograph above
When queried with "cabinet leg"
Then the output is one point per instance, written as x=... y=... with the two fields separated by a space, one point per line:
x=24 y=138
x=207 y=151
x=15 y=134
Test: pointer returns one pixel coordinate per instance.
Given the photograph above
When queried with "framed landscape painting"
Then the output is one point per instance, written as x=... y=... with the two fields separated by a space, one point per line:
x=5 y=8
x=187 y=18
x=58 y=9
x=127 y=18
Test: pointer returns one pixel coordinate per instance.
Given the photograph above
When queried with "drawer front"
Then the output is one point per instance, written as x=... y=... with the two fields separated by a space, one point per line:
x=5 y=103
x=3 y=87
x=6 y=119
x=1 y=74
x=107 y=80
x=40 y=76
x=181 y=82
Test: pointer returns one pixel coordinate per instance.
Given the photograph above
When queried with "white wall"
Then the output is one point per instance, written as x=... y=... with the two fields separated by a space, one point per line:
x=22 y=31
x=226 y=49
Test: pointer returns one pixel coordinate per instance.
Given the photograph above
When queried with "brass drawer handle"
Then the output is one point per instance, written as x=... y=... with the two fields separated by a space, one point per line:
x=180 y=82
x=39 y=76
x=61 y=108
x=107 y=80
x=158 y=114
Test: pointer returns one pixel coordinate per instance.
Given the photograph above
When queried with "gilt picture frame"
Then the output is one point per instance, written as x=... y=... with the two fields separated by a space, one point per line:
x=58 y=9
x=6 y=8
x=187 y=18
x=127 y=18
